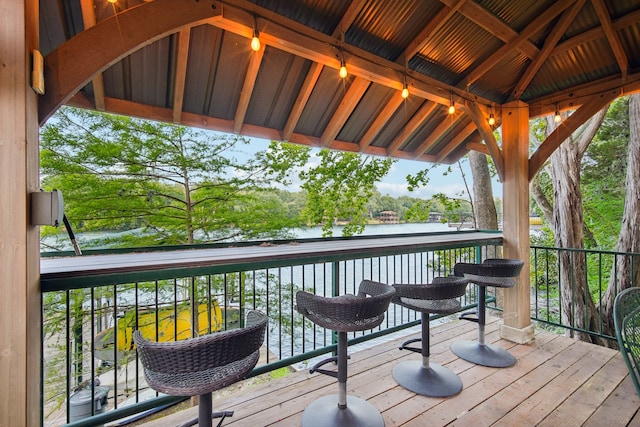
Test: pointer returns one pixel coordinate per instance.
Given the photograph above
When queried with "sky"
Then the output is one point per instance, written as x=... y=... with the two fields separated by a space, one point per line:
x=395 y=184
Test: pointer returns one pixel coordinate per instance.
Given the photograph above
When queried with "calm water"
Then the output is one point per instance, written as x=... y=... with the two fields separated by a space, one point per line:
x=62 y=242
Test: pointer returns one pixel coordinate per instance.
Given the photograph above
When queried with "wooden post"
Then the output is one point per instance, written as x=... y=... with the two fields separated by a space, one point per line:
x=517 y=325
x=20 y=359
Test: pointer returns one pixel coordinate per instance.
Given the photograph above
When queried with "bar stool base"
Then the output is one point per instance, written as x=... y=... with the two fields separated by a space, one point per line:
x=483 y=354
x=434 y=381
x=324 y=412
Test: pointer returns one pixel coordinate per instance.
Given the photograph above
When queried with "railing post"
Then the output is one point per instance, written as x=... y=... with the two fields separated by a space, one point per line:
x=335 y=291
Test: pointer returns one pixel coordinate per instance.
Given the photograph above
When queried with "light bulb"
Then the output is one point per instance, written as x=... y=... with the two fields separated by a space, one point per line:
x=112 y=1
x=557 y=117
x=405 y=92
x=255 y=43
x=452 y=109
x=492 y=120
x=343 y=70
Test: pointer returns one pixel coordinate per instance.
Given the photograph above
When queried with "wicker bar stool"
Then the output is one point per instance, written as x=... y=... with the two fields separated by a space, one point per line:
x=201 y=365
x=496 y=272
x=346 y=313
x=441 y=297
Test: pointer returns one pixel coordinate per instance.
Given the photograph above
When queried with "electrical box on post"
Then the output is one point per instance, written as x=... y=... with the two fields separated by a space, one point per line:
x=47 y=208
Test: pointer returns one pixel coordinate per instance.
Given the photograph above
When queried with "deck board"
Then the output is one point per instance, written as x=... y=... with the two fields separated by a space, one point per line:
x=557 y=381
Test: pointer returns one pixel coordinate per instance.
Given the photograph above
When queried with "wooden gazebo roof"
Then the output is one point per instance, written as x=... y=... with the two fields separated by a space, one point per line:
x=190 y=62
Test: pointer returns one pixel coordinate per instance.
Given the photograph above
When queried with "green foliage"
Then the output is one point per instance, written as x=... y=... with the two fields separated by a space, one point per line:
x=339 y=188
x=603 y=174
x=175 y=184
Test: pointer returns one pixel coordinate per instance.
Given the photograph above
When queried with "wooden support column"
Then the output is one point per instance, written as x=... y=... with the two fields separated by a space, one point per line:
x=517 y=325
x=20 y=359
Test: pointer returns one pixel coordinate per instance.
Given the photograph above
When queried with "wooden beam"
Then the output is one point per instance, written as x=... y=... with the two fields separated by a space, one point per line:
x=534 y=27
x=595 y=33
x=297 y=39
x=612 y=36
x=89 y=20
x=566 y=128
x=443 y=15
x=314 y=72
x=349 y=102
x=411 y=127
x=448 y=123
x=574 y=97
x=493 y=25
x=247 y=88
x=478 y=146
x=301 y=101
x=182 y=56
x=456 y=141
x=549 y=43
x=74 y=63
x=486 y=133
x=381 y=120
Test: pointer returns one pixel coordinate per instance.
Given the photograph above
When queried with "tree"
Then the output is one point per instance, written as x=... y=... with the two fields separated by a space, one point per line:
x=340 y=188
x=484 y=205
x=567 y=224
x=179 y=185
x=626 y=272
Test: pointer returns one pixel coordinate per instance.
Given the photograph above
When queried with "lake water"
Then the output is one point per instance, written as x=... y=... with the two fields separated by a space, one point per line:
x=61 y=241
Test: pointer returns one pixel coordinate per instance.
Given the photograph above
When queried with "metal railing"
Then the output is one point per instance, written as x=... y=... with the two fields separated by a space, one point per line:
x=88 y=324
x=593 y=268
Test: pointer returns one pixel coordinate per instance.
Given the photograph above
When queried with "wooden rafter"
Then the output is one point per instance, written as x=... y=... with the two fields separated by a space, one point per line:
x=566 y=128
x=297 y=39
x=301 y=100
x=180 y=79
x=411 y=127
x=314 y=72
x=550 y=42
x=89 y=20
x=612 y=36
x=443 y=15
x=596 y=33
x=247 y=88
x=493 y=25
x=446 y=125
x=380 y=121
x=456 y=141
x=534 y=27
x=349 y=102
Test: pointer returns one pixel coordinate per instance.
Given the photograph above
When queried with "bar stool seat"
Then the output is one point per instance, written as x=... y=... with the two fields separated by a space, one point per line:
x=345 y=313
x=496 y=272
x=440 y=297
x=199 y=366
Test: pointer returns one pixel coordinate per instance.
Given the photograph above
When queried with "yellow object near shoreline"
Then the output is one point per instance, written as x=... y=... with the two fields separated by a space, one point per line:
x=535 y=220
x=164 y=324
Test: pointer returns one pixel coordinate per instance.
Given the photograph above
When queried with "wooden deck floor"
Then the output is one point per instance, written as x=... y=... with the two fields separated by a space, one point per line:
x=556 y=381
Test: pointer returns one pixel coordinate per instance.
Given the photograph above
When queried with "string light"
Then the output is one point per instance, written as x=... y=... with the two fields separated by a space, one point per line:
x=452 y=108
x=112 y=1
x=343 y=69
x=557 y=117
x=492 y=119
x=255 y=41
x=405 y=89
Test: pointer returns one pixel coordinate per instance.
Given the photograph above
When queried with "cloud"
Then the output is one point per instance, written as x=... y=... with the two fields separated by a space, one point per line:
x=401 y=189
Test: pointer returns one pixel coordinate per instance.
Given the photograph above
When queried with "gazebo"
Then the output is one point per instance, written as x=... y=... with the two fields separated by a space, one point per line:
x=417 y=79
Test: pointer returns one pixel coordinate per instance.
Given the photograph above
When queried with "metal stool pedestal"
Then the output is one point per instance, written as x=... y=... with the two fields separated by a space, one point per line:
x=492 y=272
